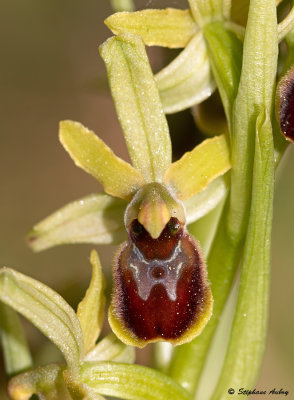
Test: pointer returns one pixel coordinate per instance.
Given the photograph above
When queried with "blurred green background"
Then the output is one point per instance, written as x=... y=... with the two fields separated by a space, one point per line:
x=50 y=70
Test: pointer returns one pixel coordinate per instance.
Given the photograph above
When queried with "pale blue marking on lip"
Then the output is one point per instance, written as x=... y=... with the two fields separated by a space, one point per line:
x=142 y=271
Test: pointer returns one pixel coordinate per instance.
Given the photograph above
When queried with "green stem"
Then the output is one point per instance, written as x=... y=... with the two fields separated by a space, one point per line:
x=188 y=360
x=248 y=335
x=254 y=92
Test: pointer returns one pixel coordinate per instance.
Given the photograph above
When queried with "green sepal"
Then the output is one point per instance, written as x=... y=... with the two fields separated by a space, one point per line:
x=97 y=218
x=138 y=105
x=187 y=80
x=169 y=28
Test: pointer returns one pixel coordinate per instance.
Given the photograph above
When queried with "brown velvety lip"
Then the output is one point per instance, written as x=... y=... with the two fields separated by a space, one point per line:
x=159 y=316
x=285 y=105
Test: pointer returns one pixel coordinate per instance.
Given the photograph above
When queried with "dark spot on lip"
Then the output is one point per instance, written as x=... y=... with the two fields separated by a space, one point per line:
x=285 y=105
x=158 y=272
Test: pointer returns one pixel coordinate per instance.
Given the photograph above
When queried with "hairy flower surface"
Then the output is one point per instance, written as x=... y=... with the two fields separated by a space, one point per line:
x=161 y=290
x=160 y=267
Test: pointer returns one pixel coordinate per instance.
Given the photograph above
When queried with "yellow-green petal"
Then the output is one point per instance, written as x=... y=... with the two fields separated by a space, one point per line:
x=187 y=80
x=197 y=168
x=97 y=218
x=206 y=200
x=91 y=154
x=169 y=28
x=138 y=105
x=91 y=309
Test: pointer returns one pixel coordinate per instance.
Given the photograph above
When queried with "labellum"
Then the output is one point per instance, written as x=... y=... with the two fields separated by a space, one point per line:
x=285 y=105
x=161 y=291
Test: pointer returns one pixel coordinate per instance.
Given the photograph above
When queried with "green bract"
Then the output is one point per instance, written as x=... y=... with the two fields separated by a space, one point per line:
x=17 y=357
x=248 y=334
x=131 y=382
x=46 y=310
x=74 y=334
